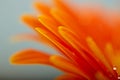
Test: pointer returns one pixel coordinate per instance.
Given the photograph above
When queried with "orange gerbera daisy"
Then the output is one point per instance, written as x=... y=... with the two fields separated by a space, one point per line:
x=89 y=44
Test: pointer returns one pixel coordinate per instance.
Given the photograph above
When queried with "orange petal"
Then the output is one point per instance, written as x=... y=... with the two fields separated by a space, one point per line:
x=100 y=76
x=42 y=8
x=50 y=23
x=69 y=77
x=55 y=41
x=61 y=5
x=30 y=56
x=95 y=26
x=66 y=65
x=31 y=37
x=25 y=36
x=31 y=21
x=115 y=37
x=65 y=18
x=73 y=40
x=67 y=52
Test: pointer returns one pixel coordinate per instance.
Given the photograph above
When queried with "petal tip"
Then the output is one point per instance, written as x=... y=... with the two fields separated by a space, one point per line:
x=12 y=60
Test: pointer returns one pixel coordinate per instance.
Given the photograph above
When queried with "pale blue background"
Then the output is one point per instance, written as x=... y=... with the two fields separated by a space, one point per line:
x=10 y=11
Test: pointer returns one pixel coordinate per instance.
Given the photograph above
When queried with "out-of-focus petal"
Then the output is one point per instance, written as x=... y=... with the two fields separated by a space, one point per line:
x=65 y=19
x=42 y=8
x=69 y=77
x=30 y=56
x=100 y=76
x=31 y=21
x=61 y=5
x=26 y=37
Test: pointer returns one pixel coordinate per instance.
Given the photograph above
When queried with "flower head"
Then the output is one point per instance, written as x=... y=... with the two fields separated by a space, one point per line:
x=88 y=43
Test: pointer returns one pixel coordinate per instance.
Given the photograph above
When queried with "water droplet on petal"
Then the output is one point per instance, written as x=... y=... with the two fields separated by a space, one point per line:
x=114 y=68
x=118 y=77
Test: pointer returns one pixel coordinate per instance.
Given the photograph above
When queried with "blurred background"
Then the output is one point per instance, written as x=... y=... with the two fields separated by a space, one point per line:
x=10 y=25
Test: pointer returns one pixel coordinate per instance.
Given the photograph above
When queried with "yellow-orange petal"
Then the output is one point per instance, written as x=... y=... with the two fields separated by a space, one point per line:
x=73 y=40
x=116 y=61
x=98 y=52
x=55 y=41
x=50 y=23
x=100 y=76
x=30 y=56
x=67 y=65
x=69 y=77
